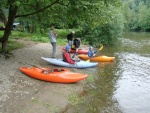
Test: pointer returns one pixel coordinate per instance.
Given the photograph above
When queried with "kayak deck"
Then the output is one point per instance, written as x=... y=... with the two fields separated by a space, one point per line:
x=97 y=58
x=80 y=51
x=59 y=75
x=60 y=62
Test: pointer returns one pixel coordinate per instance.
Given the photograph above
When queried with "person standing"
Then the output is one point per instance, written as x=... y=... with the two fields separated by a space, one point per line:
x=52 y=37
x=76 y=44
x=70 y=38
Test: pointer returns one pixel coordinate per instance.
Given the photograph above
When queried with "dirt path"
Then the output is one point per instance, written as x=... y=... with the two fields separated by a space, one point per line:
x=22 y=94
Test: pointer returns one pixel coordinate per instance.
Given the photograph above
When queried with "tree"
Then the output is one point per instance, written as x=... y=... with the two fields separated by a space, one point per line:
x=140 y=16
x=107 y=28
x=13 y=6
x=12 y=13
x=64 y=11
x=144 y=17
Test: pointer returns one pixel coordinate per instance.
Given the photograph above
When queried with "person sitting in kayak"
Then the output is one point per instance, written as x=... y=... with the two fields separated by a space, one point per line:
x=67 y=56
x=91 y=52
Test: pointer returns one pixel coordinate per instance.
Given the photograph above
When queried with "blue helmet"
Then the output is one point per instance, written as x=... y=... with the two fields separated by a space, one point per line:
x=67 y=48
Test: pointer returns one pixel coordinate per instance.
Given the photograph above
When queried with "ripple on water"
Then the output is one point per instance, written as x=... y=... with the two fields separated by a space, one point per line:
x=133 y=91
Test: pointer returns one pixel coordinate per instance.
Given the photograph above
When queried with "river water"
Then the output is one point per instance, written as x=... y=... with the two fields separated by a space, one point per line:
x=121 y=86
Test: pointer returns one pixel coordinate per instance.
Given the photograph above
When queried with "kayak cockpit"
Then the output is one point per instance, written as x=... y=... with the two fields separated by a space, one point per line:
x=52 y=70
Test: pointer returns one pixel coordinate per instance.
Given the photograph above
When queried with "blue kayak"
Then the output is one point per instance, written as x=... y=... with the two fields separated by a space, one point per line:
x=80 y=64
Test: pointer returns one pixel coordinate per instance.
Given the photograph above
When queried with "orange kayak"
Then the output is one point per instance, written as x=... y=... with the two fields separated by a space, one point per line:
x=53 y=75
x=97 y=58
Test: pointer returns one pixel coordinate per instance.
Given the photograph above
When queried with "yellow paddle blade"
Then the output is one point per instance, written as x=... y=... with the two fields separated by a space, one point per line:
x=88 y=60
x=101 y=48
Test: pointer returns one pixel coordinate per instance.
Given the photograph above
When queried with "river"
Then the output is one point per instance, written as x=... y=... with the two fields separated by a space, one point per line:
x=121 y=86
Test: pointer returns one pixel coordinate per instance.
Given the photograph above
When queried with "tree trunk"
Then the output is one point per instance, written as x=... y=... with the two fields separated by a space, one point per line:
x=9 y=25
x=4 y=46
x=28 y=26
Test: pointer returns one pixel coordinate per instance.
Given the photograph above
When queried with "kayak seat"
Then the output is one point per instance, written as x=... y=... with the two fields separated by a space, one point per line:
x=48 y=71
x=58 y=70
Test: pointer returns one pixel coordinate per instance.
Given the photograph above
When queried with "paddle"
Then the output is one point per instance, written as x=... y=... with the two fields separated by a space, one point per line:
x=95 y=53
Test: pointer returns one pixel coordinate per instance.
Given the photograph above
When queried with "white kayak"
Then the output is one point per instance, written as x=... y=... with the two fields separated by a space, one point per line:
x=80 y=64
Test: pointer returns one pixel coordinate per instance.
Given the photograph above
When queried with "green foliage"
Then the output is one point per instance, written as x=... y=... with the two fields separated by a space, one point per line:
x=13 y=44
x=105 y=31
x=74 y=99
x=1 y=33
x=136 y=14
x=98 y=21
x=19 y=34
x=62 y=33
x=144 y=17
x=39 y=38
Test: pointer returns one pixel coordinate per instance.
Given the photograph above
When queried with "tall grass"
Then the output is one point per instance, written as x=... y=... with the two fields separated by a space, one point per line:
x=12 y=45
x=37 y=37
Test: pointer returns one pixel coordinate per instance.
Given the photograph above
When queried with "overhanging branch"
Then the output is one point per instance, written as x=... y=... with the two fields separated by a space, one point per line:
x=57 y=1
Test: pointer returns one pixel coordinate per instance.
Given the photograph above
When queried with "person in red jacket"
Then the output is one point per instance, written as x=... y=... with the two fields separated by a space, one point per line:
x=67 y=56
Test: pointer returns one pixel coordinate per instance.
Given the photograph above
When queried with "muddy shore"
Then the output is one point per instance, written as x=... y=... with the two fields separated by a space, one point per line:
x=22 y=94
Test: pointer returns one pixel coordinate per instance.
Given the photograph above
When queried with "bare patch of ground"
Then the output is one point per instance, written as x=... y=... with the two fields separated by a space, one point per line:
x=22 y=94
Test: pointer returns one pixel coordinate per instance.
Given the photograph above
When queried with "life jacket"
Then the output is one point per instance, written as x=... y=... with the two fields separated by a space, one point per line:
x=64 y=59
x=76 y=44
x=63 y=56
x=67 y=58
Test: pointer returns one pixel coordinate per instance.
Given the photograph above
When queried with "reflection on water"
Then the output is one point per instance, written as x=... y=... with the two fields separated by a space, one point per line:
x=133 y=86
x=121 y=86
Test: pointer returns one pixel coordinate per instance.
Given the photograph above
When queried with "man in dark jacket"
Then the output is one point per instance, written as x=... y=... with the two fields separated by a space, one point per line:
x=70 y=38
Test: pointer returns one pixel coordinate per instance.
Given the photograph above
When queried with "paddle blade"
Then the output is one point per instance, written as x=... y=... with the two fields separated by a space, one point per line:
x=101 y=48
x=88 y=60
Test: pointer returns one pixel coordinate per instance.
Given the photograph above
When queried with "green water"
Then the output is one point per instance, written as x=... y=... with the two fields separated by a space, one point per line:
x=121 y=86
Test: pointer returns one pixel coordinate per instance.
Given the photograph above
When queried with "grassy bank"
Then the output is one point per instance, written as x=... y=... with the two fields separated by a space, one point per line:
x=36 y=37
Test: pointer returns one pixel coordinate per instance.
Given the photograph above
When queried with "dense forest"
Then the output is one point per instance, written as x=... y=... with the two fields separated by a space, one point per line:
x=95 y=21
x=136 y=15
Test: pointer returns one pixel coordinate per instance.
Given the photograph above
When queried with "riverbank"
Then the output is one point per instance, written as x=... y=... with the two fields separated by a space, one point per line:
x=22 y=94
